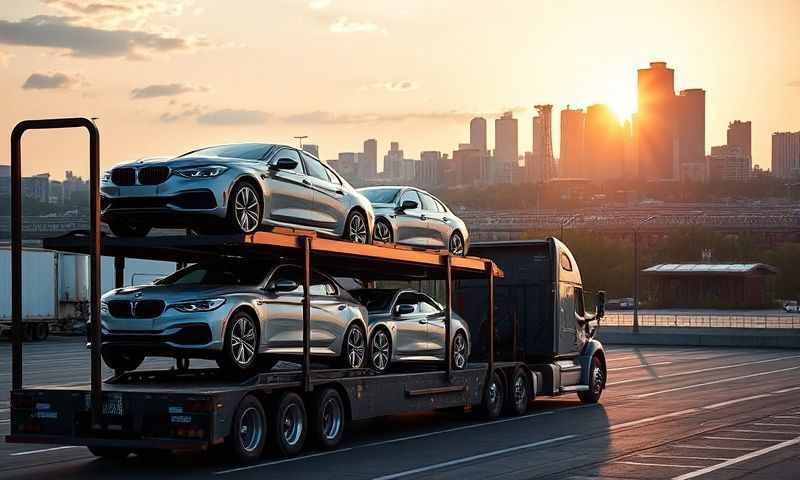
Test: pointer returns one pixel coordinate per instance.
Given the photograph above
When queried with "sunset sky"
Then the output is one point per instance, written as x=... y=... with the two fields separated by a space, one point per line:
x=164 y=76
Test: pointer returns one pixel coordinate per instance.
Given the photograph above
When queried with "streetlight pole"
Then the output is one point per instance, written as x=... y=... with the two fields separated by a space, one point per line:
x=636 y=272
x=300 y=139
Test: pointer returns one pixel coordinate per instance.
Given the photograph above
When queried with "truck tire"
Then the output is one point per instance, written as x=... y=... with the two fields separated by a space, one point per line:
x=597 y=381
x=328 y=418
x=493 y=397
x=518 y=393
x=122 y=360
x=289 y=424
x=42 y=332
x=249 y=432
x=110 y=453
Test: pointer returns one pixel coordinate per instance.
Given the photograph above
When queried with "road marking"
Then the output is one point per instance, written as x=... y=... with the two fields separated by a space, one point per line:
x=762 y=424
x=658 y=455
x=641 y=464
x=714 y=382
x=472 y=458
x=731 y=402
x=734 y=461
x=652 y=419
x=746 y=439
x=644 y=365
x=277 y=462
x=787 y=390
x=704 y=447
x=796 y=417
x=31 y=452
x=762 y=431
x=703 y=370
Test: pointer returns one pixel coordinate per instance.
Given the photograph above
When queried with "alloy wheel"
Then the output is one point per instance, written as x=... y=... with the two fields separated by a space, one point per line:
x=459 y=351
x=357 y=229
x=355 y=348
x=243 y=341
x=456 y=245
x=382 y=232
x=246 y=209
x=597 y=380
x=520 y=393
x=251 y=429
x=380 y=351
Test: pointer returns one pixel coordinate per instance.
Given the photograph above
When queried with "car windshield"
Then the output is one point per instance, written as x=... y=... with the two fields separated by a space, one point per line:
x=376 y=300
x=247 y=151
x=228 y=273
x=380 y=195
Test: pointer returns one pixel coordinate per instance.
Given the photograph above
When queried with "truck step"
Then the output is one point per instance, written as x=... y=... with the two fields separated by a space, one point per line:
x=575 y=388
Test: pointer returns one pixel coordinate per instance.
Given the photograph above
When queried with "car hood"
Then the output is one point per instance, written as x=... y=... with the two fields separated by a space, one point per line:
x=174 y=292
x=188 y=161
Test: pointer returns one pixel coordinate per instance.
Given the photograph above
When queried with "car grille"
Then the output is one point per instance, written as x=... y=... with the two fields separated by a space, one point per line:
x=123 y=176
x=135 y=309
x=153 y=175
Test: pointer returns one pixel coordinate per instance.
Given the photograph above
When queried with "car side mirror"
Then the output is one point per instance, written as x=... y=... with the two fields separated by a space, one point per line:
x=284 y=285
x=408 y=205
x=403 y=309
x=601 y=304
x=284 y=164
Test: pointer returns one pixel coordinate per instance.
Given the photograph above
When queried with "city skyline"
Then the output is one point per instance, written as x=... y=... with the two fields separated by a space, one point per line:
x=145 y=85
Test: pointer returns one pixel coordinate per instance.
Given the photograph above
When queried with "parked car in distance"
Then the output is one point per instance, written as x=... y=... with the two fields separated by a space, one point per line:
x=792 y=306
x=408 y=326
x=238 y=188
x=410 y=216
x=236 y=312
x=620 y=304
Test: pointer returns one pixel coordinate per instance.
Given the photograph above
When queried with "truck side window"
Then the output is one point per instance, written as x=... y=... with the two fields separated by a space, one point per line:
x=565 y=263
x=579 y=308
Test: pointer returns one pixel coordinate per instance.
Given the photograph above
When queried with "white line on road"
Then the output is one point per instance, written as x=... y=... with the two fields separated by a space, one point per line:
x=796 y=417
x=472 y=458
x=734 y=461
x=714 y=382
x=658 y=455
x=731 y=402
x=277 y=462
x=705 y=447
x=652 y=419
x=641 y=464
x=763 y=424
x=787 y=390
x=31 y=452
x=777 y=432
x=644 y=365
x=738 y=439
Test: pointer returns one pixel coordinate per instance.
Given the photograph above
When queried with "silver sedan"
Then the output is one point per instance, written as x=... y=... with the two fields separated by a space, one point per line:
x=236 y=312
x=237 y=187
x=408 y=326
x=411 y=216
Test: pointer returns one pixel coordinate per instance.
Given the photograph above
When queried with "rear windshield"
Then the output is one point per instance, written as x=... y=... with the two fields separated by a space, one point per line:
x=374 y=300
x=380 y=195
x=229 y=273
x=247 y=151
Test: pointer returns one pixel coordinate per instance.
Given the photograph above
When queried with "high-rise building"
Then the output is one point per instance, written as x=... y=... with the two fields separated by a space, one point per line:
x=740 y=134
x=655 y=121
x=728 y=163
x=429 y=173
x=392 y=161
x=368 y=169
x=570 y=163
x=311 y=148
x=506 y=144
x=786 y=154
x=604 y=143
x=691 y=131
x=544 y=164
x=477 y=133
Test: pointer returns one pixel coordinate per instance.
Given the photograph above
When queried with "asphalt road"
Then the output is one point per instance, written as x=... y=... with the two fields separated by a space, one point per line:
x=672 y=413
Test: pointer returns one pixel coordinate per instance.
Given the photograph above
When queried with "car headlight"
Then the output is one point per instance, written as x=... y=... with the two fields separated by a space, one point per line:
x=199 y=305
x=207 y=171
x=103 y=308
x=106 y=177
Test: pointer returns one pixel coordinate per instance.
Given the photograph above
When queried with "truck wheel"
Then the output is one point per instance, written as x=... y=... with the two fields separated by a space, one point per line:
x=122 y=360
x=459 y=351
x=249 y=432
x=328 y=418
x=597 y=382
x=518 y=393
x=40 y=332
x=289 y=425
x=493 y=397
x=111 y=453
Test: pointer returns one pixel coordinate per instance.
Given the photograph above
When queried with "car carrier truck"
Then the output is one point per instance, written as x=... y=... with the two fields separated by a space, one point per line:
x=533 y=286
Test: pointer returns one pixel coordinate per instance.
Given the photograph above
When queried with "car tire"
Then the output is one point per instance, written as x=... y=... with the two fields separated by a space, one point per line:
x=245 y=208
x=355 y=228
x=110 y=453
x=40 y=332
x=248 y=434
x=290 y=424
x=328 y=418
x=597 y=382
x=459 y=349
x=241 y=336
x=380 y=350
x=456 y=244
x=383 y=231
x=129 y=230
x=518 y=393
x=493 y=397
x=354 y=347
x=122 y=361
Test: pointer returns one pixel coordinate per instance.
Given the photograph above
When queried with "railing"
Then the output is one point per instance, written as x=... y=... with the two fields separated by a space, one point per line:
x=692 y=320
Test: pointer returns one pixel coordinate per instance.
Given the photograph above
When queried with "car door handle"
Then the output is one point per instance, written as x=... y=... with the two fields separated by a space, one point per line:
x=423 y=321
x=445 y=219
x=340 y=192
x=423 y=217
x=342 y=307
x=260 y=302
x=306 y=182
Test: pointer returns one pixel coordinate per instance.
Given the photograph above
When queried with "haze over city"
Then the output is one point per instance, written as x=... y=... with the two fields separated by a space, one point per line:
x=187 y=74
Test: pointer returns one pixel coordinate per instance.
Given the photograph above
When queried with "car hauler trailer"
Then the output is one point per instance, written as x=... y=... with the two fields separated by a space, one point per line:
x=198 y=409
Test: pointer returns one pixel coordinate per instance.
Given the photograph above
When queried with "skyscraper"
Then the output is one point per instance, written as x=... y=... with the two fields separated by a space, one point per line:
x=570 y=165
x=393 y=162
x=368 y=168
x=739 y=134
x=655 y=121
x=786 y=154
x=728 y=163
x=477 y=133
x=691 y=130
x=604 y=143
x=543 y=167
x=430 y=168
x=311 y=148
x=506 y=148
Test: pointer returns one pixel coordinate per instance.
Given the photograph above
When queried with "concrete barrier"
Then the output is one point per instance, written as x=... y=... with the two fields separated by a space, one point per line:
x=706 y=337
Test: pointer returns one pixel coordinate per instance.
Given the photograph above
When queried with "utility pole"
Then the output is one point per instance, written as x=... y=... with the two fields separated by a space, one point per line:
x=300 y=139
x=636 y=272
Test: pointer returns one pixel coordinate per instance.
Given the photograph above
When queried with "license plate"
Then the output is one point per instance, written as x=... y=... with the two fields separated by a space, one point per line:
x=113 y=405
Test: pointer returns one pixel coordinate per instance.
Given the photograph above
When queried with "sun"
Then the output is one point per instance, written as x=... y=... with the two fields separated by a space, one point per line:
x=623 y=104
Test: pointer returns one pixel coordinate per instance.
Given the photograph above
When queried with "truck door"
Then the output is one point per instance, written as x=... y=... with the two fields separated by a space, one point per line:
x=566 y=319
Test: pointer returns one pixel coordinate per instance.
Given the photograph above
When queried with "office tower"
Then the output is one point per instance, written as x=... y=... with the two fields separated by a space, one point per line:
x=604 y=143
x=392 y=161
x=506 y=145
x=311 y=148
x=477 y=133
x=786 y=154
x=544 y=164
x=740 y=134
x=728 y=163
x=369 y=167
x=429 y=171
x=691 y=131
x=572 y=129
x=655 y=121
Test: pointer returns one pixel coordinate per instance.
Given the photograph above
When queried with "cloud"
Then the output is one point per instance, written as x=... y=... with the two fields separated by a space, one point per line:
x=399 y=86
x=82 y=41
x=111 y=14
x=323 y=117
x=187 y=112
x=346 y=25
x=41 y=81
x=795 y=83
x=229 y=116
x=319 y=4
x=164 y=90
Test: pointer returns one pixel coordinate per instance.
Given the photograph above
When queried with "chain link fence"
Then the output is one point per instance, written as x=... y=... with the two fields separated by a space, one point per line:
x=692 y=320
